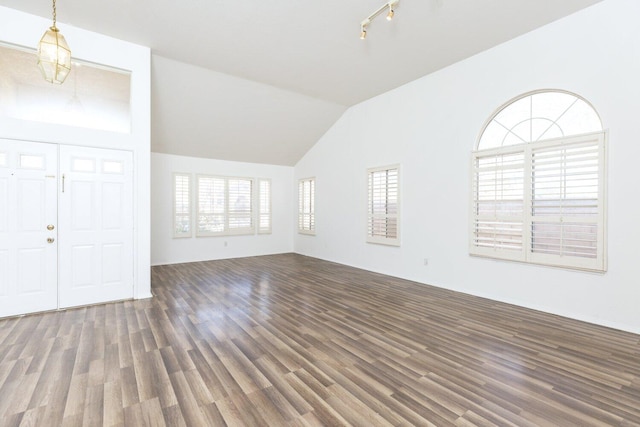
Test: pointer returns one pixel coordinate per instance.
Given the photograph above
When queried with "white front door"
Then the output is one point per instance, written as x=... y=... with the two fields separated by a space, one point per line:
x=28 y=227
x=96 y=226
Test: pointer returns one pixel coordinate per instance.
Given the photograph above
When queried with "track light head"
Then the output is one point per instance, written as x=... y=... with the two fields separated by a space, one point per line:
x=363 y=33
x=390 y=14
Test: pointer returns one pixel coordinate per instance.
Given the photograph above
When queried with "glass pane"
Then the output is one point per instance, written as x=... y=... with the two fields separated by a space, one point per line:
x=183 y=224
x=580 y=118
x=514 y=113
x=31 y=162
x=492 y=136
x=83 y=165
x=112 y=167
x=93 y=96
x=551 y=105
x=540 y=116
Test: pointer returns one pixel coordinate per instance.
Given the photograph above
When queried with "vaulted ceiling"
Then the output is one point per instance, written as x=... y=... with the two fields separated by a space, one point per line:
x=261 y=81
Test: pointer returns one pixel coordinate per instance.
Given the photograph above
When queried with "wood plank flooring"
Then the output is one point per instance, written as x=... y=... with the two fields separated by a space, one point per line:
x=287 y=340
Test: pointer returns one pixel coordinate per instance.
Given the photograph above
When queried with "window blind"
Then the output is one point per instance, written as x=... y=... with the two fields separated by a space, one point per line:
x=240 y=207
x=383 y=207
x=541 y=202
x=306 y=206
x=566 y=203
x=181 y=205
x=225 y=205
x=264 y=206
x=498 y=205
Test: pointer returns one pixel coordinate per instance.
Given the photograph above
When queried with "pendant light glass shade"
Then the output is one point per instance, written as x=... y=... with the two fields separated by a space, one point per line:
x=54 y=56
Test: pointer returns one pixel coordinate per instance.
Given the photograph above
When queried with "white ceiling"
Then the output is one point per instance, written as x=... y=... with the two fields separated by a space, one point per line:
x=261 y=81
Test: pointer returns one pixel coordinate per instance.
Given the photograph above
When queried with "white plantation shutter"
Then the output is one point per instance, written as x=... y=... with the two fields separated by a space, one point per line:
x=211 y=205
x=181 y=205
x=538 y=183
x=567 y=210
x=383 y=205
x=306 y=206
x=541 y=202
x=224 y=206
x=498 y=203
x=240 y=205
x=264 y=206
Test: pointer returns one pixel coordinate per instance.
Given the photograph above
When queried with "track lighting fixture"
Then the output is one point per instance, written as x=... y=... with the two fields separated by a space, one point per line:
x=391 y=12
x=363 y=28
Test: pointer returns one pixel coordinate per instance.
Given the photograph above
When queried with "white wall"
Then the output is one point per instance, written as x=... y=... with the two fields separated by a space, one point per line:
x=168 y=250
x=26 y=30
x=430 y=127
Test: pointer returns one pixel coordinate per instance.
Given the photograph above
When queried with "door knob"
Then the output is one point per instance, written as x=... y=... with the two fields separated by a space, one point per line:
x=50 y=227
x=50 y=240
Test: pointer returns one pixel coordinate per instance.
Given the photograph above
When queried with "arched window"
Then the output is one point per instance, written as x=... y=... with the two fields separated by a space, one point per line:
x=538 y=192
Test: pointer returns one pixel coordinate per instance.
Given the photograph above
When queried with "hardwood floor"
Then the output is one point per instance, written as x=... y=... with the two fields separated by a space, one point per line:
x=291 y=340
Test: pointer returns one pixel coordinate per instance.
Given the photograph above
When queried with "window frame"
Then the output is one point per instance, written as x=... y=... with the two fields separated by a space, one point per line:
x=558 y=180
x=311 y=195
x=382 y=240
x=227 y=213
x=261 y=206
x=189 y=213
x=526 y=254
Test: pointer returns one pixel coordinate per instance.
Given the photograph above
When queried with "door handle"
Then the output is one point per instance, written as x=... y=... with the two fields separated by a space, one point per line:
x=50 y=240
x=50 y=227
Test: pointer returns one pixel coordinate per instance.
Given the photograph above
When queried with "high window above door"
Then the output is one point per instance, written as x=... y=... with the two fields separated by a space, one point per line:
x=93 y=96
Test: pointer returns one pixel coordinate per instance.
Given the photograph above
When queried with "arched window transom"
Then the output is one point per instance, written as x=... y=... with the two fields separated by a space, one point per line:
x=539 y=116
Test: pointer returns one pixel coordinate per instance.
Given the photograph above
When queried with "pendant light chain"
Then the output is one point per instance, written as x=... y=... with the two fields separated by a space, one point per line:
x=54 y=13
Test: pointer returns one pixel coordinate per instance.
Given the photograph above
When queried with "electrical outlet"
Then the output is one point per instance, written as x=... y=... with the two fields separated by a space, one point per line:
x=426 y=261
x=225 y=243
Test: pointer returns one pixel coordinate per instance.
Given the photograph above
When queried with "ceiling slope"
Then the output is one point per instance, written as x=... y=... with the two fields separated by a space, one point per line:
x=306 y=54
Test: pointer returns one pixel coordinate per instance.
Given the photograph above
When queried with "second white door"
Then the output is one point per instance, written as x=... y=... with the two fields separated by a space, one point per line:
x=96 y=226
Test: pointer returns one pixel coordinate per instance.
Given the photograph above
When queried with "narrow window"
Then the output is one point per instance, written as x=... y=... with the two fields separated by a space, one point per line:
x=181 y=205
x=383 y=221
x=306 y=206
x=264 y=208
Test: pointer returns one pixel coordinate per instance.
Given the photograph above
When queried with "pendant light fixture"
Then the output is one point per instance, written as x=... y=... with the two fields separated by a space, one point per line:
x=54 y=55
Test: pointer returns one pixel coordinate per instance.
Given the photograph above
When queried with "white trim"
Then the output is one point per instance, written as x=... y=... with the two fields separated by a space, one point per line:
x=383 y=240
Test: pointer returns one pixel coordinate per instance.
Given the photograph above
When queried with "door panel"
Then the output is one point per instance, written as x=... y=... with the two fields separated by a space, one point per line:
x=96 y=226
x=28 y=262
